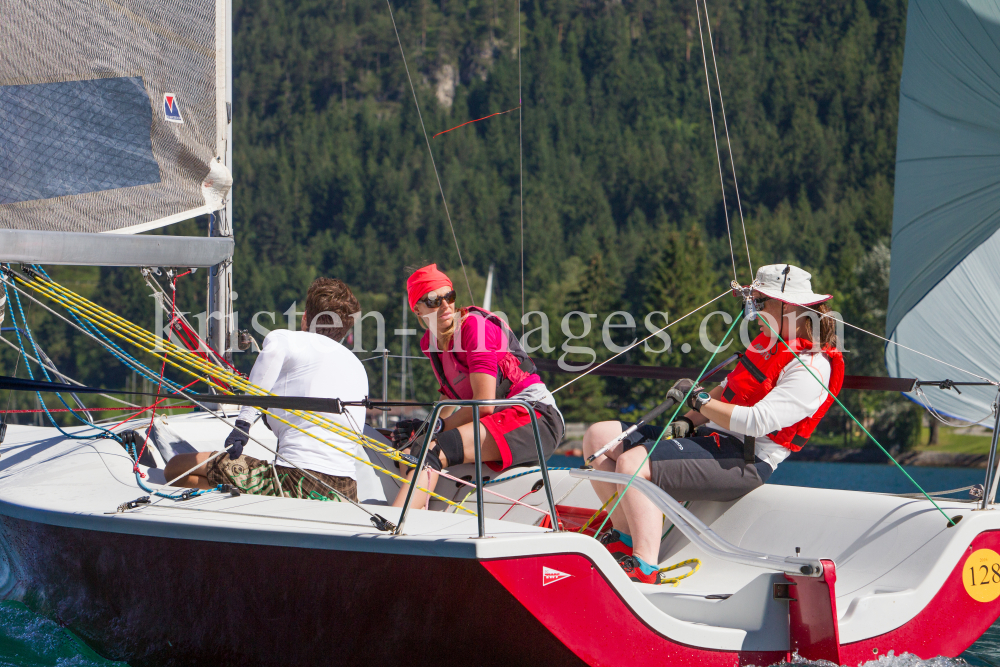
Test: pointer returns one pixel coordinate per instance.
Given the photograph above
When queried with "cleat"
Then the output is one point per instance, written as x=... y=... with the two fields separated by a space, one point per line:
x=613 y=542
x=631 y=566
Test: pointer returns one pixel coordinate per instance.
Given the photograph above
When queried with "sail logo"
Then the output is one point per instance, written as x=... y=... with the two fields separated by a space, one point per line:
x=171 y=110
x=550 y=576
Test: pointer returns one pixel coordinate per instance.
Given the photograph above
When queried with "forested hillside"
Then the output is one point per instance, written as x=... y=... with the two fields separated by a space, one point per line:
x=621 y=196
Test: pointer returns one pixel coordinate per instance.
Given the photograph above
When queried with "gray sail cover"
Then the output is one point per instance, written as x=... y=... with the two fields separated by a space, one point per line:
x=112 y=113
x=944 y=293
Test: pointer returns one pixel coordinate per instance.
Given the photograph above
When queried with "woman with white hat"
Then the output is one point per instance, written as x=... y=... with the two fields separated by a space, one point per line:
x=733 y=437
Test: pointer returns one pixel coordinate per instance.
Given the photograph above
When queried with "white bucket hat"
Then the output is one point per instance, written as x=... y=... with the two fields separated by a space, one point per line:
x=788 y=283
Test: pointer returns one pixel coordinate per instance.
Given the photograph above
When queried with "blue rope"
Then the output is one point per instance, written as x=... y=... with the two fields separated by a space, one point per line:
x=105 y=433
x=122 y=356
x=38 y=356
x=142 y=485
x=521 y=474
x=115 y=350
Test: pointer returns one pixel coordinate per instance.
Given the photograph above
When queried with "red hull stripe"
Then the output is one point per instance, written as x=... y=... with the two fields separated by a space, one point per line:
x=586 y=614
x=947 y=626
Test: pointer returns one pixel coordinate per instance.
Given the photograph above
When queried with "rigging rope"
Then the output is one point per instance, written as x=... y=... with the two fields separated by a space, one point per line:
x=598 y=513
x=849 y=414
x=926 y=403
x=420 y=115
x=520 y=151
x=669 y=421
x=146 y=342
x=174 y=406
x=715 y=136
x=27 y=366
x=693 y=563
x=191 y=364
x=729 y=144
x=120 y=354
x=129 y=406
x=163 y=367
x=469 y=122
x=910 y=349
x=639 y=342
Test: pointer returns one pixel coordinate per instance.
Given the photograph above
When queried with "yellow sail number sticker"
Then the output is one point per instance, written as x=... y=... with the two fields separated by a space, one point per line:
x=981 y=575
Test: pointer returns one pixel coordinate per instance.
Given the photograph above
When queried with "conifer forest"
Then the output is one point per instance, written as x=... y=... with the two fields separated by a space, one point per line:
x=610 y=130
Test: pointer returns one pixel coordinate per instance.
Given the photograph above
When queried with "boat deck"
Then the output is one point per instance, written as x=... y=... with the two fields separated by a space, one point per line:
x=892 y=554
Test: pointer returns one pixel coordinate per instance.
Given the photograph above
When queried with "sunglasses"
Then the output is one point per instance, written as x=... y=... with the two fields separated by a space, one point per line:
x=436 y=301
x=758 y=303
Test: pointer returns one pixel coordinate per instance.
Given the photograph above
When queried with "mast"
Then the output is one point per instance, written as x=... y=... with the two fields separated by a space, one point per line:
x=220 y=276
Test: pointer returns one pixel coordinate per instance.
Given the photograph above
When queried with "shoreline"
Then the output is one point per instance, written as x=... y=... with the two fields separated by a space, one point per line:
x=827 y=454
x=921 y=458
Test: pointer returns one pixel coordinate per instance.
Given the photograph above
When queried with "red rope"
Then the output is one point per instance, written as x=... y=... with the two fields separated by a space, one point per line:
x=165 y=407
x=150 y=407
x=498 y=113
x=159 y=387
x=530 y=491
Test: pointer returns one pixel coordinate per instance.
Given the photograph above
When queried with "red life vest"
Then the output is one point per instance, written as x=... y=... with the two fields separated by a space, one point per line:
x=757 y=372
x=513 y=367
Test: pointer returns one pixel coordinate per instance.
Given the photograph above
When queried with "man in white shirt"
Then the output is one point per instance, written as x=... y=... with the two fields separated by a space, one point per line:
x=732 y=438
x=310 y=362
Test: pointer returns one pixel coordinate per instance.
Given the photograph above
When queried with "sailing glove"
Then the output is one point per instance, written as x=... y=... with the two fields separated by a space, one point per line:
x=237 y=439
x=681 y=428
x=407 y=429
x=683 y=391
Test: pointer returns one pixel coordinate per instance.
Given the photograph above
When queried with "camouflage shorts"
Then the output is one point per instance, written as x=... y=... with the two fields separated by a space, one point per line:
x=262 y=478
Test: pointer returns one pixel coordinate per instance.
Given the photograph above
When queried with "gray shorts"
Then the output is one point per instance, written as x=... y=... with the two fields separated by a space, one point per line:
x=707 y=466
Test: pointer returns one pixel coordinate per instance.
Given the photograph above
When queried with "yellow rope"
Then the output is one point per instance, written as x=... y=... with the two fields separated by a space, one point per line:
x=694 y=563
x=147 y=342
x=599 y=510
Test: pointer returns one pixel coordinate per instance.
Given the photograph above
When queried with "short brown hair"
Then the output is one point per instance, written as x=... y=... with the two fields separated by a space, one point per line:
x=326 y=296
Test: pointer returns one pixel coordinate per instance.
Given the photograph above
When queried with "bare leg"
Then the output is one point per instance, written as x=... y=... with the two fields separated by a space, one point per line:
x=490 y=453
x=197 y=479
x=597 y=436
x=644 y=518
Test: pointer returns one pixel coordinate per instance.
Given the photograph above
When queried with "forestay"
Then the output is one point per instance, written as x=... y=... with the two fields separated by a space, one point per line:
x=113 y=114
x=944 y=296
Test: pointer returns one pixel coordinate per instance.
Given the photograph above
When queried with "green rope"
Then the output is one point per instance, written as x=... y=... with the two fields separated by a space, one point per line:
x=672 y=417
x=848 y=412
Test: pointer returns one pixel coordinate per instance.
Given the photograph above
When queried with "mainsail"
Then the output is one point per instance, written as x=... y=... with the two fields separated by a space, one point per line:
x=944 y=295
x=113 y=113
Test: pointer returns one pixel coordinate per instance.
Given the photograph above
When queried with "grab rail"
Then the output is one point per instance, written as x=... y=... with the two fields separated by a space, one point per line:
x=700 y=534
x=480 y=513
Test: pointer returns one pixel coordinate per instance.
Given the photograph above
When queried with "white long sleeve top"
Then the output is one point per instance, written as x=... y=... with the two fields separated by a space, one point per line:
x=795 y=396
x=301 y=363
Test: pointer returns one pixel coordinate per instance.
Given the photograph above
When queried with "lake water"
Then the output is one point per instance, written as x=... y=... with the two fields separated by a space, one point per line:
x=29 y=640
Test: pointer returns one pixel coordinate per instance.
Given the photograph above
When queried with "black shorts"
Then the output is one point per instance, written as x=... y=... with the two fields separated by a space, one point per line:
x=706 y=466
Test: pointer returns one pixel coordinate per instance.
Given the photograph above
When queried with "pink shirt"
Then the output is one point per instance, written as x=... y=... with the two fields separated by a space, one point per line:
x=479 y=347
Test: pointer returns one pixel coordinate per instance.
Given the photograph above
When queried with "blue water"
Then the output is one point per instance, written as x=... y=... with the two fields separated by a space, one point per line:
x=29 y=640
x=873 y=477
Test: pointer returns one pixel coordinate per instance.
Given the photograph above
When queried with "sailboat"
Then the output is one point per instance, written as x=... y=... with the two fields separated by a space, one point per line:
x=505 y=571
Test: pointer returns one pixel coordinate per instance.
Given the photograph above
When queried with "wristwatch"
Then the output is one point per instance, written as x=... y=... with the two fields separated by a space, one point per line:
x=700 y=400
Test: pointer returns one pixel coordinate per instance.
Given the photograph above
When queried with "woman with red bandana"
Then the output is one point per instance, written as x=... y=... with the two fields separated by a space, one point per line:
x=475 y=355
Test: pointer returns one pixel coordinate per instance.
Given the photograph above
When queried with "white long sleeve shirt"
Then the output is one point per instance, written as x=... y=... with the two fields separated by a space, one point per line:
x=301 y=363
x=795 y=396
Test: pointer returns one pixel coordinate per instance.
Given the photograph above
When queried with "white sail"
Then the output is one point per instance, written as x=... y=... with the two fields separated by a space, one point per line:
x=944 y=296
x=113 y=113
